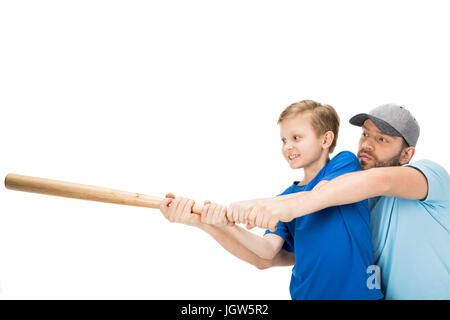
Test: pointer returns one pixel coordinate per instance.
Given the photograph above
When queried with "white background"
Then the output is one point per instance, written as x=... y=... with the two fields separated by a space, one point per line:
x=183 y=96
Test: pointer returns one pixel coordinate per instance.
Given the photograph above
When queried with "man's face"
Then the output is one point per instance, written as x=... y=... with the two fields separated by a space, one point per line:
x=377 y=149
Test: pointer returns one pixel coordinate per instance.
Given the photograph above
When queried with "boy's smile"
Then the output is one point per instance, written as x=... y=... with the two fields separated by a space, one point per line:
x=301 y=147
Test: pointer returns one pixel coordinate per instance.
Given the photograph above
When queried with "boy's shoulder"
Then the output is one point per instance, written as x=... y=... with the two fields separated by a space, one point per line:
x=343 y=162
x=345 y=155
x=344 y=158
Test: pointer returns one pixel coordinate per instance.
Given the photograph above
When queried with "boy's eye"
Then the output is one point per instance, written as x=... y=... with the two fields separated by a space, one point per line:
x=365 y=134
x=294 y=137
x=383 y=139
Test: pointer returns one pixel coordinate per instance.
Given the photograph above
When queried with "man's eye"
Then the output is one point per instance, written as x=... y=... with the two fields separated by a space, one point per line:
x=383 y=140
x=364 y=134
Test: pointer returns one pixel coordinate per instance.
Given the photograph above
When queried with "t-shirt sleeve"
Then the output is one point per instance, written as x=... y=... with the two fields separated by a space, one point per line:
x=342 y=163
x=438 y=182
x=283 y=232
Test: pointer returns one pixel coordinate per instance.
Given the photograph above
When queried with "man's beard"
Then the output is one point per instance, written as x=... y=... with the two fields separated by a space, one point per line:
x=393 y=162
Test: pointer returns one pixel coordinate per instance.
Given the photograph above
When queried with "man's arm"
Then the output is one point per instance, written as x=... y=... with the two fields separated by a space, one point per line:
x=404 y=182
x=401 y=182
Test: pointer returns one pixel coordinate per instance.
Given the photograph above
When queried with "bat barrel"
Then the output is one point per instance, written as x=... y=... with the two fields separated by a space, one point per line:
x=81 y=191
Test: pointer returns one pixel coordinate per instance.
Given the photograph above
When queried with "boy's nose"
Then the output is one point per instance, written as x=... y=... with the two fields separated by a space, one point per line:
x=288 y=146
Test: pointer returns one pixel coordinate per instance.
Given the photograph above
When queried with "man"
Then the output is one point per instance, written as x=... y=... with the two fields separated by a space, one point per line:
x=409 y=203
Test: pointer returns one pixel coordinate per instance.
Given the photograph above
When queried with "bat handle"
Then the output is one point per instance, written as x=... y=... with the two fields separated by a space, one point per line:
x=197 y=208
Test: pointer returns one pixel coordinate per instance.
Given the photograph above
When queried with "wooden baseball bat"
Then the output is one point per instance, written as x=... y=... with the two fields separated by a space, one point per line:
x=85 y=192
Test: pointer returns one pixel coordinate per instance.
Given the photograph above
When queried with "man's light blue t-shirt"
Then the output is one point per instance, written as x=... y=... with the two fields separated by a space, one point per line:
x=411 y=239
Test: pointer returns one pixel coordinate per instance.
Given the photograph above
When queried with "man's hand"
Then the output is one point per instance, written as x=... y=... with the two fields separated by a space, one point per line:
x=237 y=212
x=263 y=213
x=267 y=213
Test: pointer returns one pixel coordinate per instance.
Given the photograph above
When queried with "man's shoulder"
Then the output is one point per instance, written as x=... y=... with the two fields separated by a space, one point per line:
x=437 y=184
x=433 y=172
x=428 y=164
x=438 y=180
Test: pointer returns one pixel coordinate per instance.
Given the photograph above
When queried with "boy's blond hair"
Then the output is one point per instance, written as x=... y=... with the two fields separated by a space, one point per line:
x=323 y=117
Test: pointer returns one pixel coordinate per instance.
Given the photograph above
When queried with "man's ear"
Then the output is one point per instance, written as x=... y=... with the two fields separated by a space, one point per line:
x=406 y=155
x=327 y=140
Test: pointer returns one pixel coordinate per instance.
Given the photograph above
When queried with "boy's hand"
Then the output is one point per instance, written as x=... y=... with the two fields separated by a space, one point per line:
x=179 y=209
x=214 y=214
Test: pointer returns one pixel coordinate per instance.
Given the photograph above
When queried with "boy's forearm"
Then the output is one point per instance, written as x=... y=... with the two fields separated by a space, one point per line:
x=237 y=241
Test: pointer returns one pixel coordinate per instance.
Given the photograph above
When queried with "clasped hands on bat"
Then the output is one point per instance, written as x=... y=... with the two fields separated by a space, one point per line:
x=264 y=213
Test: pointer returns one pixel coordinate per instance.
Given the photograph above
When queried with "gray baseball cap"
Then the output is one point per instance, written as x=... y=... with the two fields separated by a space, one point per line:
x=393 y=120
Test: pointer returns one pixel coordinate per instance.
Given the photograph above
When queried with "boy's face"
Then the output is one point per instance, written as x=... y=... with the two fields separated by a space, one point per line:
x=377 y=149
x=301 y=146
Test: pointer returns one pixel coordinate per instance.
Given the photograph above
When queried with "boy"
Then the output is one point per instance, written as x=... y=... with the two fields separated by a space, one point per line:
x=332 y=247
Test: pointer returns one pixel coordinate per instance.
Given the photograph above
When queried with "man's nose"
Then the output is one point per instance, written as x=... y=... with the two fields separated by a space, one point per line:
x=366 y=145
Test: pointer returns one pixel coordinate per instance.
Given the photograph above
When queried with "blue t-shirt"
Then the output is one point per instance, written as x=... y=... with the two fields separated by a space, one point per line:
x=333 y=246
x=411 y=239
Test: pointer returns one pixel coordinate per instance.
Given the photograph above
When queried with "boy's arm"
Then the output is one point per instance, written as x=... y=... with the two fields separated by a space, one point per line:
x=260 y=252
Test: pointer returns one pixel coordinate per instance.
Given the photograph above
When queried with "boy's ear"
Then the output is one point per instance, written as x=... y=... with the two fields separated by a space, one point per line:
x=328 y=138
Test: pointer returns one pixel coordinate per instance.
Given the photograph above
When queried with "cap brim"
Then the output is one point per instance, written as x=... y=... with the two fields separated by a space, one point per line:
x=382 y=125
x=359 y=119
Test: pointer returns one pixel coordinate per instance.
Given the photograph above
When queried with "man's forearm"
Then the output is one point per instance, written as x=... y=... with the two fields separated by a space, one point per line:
x=348 y=188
